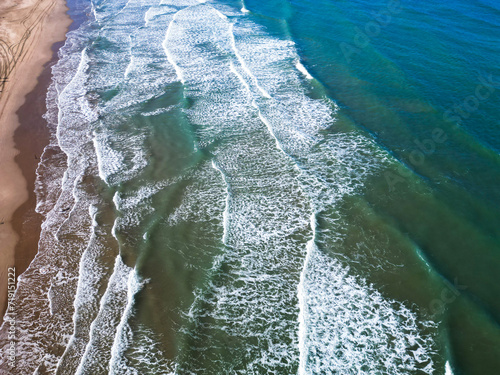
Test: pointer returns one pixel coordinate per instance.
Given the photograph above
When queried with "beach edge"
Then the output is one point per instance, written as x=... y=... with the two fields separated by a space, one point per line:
x=49 y=26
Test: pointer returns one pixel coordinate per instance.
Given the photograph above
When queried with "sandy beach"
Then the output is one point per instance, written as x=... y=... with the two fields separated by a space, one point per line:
x=28 y=31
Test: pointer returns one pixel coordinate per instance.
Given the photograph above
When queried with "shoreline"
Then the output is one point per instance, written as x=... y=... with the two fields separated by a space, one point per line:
x=33 y=31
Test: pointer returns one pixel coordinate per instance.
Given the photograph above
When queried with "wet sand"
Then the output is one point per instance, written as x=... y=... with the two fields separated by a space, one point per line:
x=29 y=30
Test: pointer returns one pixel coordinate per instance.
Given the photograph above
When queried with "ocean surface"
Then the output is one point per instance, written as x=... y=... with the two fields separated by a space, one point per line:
x=269 y=187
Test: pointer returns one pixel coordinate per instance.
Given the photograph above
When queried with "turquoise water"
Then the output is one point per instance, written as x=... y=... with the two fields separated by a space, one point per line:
x=272 y=187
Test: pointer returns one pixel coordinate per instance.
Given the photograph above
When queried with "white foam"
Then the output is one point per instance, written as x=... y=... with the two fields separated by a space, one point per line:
x=102 y=330
x=147 y=355
x=254 y=103
x=158 y=111
x=129 y=67
x=135 y=207
x=225 y=214
x=124 y=336
x=109 y=161
x=303 y=303
x=243 y=63
x=255 y=301
x=121 y=157
x=74 y=111
x=293 y=122
x=350 y=326
x=271 y=130
x=240 y=77
x=223 y=16
x=203 y=200
x=91 y=273
x=154 y=12
x=169 y=54
x=243 y=7
x=251 y=111
x=448 y=370
x=303 y=70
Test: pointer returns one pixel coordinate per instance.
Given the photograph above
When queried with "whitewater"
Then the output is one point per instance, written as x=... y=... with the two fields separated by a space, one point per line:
x=191 y=195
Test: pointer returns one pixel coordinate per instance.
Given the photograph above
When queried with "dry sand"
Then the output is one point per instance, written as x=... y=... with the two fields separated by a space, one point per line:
x=28 y=30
